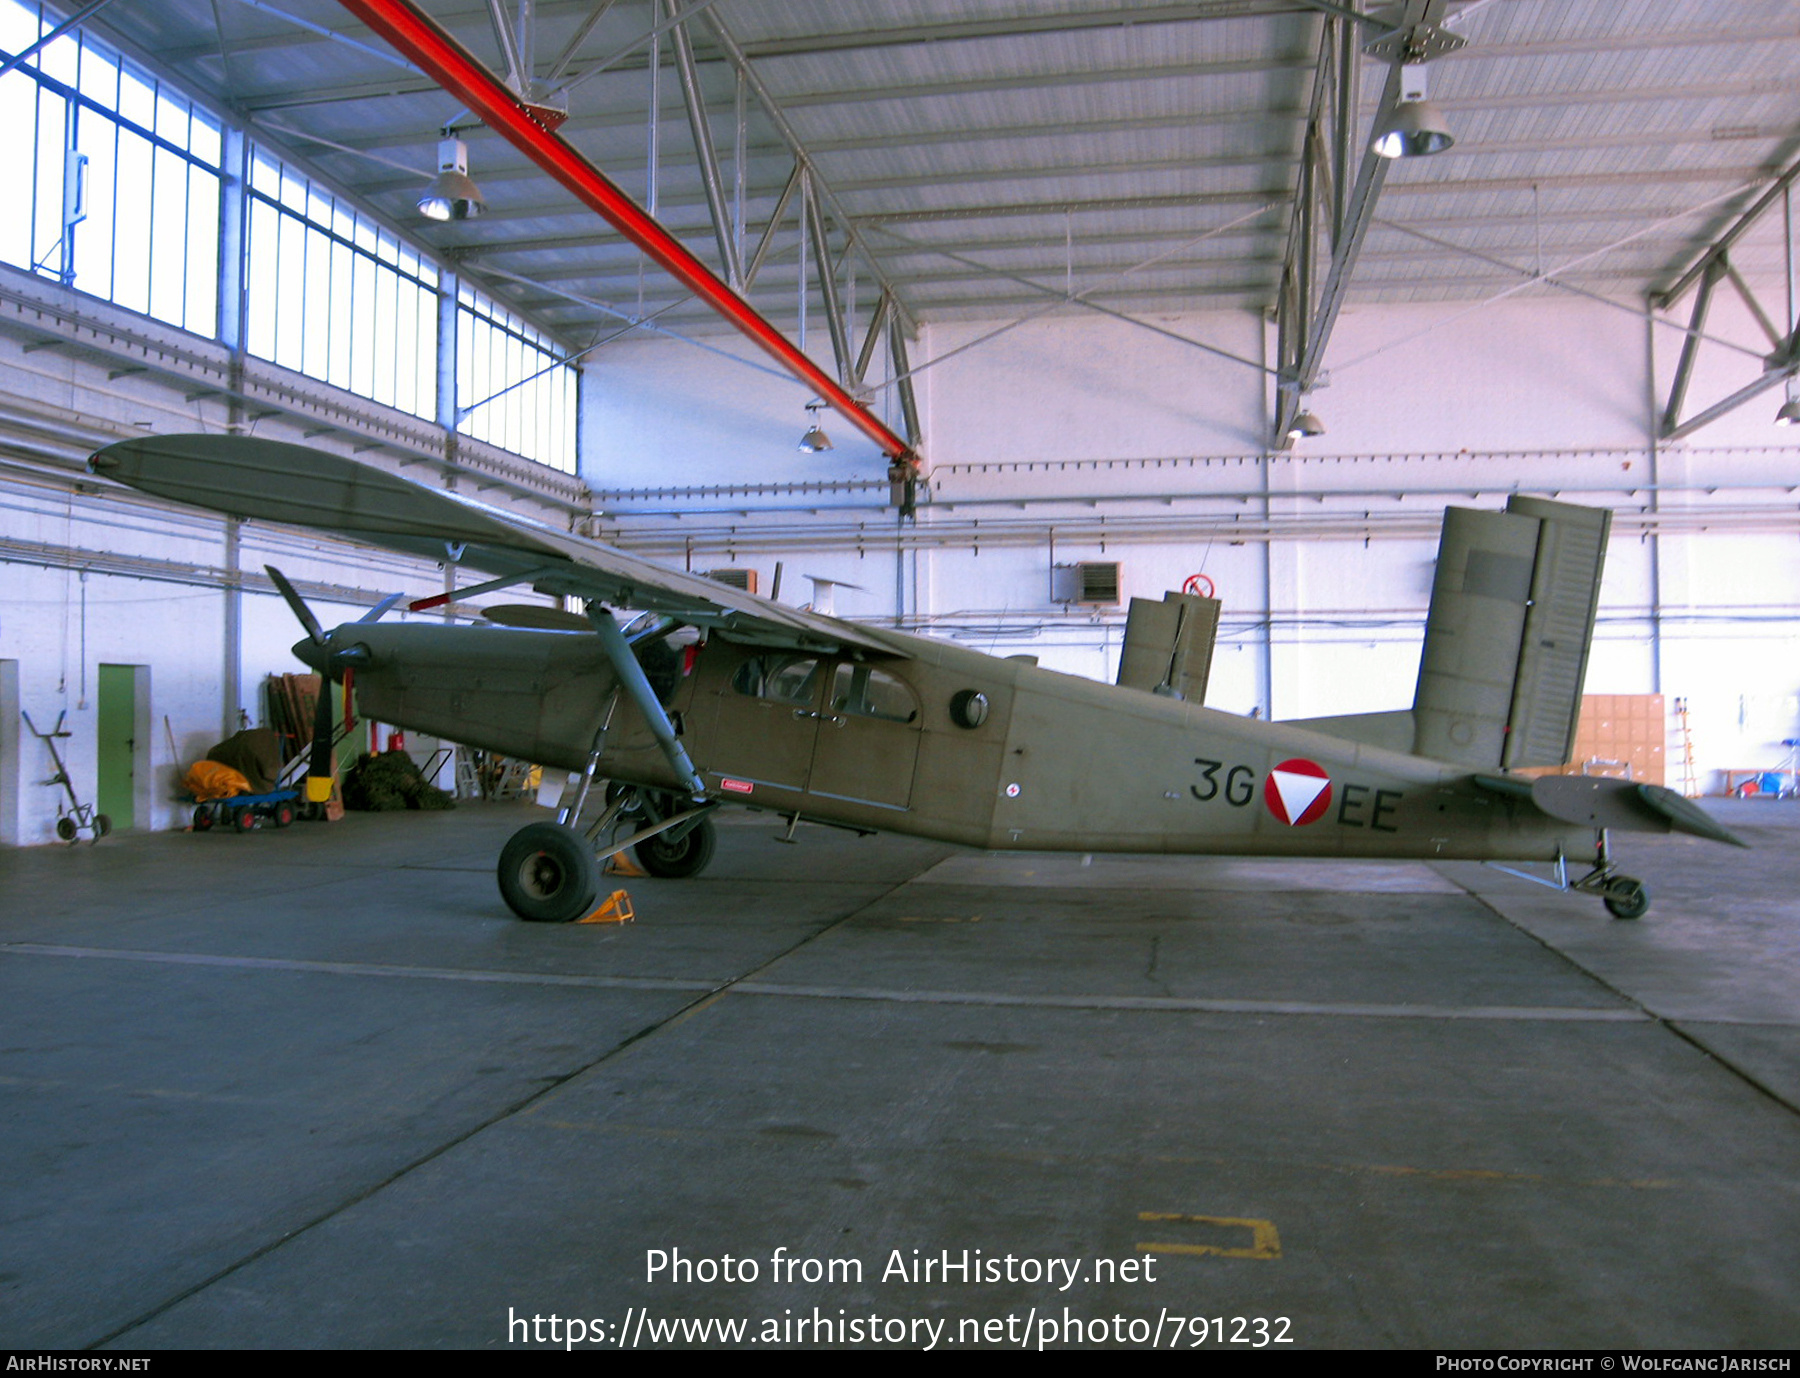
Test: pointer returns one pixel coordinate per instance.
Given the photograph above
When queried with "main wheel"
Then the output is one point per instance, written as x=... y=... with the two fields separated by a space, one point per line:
x=680 y=858
x=102 y=826
x=1626 y=898
x=203 y=818
x=548 y=874
x=243 y=819
x=65 y=828
x=284 y=813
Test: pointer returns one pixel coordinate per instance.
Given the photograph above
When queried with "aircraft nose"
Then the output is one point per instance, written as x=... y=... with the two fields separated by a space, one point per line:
x=334 y=652
x=310 y=653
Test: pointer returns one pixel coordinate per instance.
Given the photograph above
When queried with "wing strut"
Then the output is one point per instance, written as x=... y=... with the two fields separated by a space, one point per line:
x=437 y=600
x=637 y=684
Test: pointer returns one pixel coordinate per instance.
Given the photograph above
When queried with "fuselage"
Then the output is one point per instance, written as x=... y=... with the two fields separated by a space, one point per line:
x=944 y=742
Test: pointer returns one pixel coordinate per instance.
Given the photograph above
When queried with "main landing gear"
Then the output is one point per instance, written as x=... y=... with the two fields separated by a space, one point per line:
x=550 y=872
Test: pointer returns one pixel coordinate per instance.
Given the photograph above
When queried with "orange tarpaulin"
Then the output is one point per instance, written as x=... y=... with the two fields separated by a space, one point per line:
x=209 y=780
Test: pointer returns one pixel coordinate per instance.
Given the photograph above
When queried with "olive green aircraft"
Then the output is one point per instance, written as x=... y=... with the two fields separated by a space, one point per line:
x=708 y=696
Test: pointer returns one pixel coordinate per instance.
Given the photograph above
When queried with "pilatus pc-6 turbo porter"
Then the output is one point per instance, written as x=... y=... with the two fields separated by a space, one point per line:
x=675 y=696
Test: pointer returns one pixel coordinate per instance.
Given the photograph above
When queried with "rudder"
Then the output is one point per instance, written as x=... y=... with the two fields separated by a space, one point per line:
x=1508 y=634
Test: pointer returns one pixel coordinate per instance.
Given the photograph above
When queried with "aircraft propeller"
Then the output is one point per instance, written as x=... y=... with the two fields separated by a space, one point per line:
x=329 y=658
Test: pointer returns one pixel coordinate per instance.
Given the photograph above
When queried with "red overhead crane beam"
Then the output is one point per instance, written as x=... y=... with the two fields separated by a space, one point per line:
x=447 y=62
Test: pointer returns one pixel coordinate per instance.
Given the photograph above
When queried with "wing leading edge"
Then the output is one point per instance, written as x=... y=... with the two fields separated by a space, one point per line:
x=269 y=480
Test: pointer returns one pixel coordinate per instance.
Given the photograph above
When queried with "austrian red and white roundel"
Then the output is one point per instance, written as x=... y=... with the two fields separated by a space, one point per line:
x=1298 y=791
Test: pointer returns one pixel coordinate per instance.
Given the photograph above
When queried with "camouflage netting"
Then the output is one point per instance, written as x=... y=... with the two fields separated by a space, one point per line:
x=391 y=781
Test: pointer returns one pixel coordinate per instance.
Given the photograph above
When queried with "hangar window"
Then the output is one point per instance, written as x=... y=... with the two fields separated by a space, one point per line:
x=866 y=692
x=512 y=384
x=331 y=294
x=118 y=175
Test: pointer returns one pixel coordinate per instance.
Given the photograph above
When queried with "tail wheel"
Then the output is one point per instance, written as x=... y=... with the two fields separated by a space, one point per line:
x=1626 y=898
x=284 y=814
x=679 y=858
x=243 y=819
x=548 y=874
x=203 y=818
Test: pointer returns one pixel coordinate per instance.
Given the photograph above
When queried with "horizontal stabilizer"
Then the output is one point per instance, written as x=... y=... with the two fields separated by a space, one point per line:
x=1598 y=802
x=1685 y=816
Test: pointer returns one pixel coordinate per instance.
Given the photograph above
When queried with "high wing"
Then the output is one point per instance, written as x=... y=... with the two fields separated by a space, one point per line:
x=268 y=480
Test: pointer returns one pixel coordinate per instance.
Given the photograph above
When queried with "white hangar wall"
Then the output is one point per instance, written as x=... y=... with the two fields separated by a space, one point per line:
x=1059 y=440
x=92 y=575
x=1083 y=438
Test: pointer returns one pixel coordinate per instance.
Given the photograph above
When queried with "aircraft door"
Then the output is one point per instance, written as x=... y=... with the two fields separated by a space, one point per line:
x=768 y=719
x=868 y=741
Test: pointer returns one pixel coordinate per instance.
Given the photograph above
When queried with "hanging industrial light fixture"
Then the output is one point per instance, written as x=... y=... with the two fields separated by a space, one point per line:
x=1415 y=128
x=815 y=439
x=1789 y=415
x=452 y=194
x=1304 y=426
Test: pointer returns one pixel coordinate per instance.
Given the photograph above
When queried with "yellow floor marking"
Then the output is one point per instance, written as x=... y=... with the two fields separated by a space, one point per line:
x=1265 y=1243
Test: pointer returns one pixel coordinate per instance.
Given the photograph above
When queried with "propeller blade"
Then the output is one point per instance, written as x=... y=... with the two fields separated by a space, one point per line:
x=318 y=766
x=296 y=605
x=380 y=610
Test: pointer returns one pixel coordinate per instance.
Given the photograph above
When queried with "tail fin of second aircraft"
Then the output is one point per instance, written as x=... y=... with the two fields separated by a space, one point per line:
x=1507 y=637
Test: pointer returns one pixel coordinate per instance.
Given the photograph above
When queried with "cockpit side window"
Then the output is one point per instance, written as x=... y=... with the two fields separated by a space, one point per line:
x=787 y=679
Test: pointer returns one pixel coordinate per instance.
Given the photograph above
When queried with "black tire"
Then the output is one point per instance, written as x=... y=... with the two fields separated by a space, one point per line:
x=243 y=819
x=203 y=819
x=1626 y=898
x=312 y=813
x=65 y=828
x=102 y=826
x=548 y=874
x=284 y=814
x=678 y=860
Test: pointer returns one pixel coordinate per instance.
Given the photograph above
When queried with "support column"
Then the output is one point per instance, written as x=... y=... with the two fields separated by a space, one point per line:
x=446 y=358
x=231 y=671
x=11 y=773
x=1655 y=443
x=234 y=170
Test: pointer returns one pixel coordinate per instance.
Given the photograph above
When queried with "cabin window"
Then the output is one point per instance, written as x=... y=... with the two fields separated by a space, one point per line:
x=789 y=679
x=865 y=692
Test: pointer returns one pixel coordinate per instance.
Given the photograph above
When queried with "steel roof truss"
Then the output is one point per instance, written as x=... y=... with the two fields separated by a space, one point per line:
x=1713 y=266
x=704 y=151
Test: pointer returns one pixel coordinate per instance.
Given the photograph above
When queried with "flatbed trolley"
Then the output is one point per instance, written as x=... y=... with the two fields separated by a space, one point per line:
x=242 y=813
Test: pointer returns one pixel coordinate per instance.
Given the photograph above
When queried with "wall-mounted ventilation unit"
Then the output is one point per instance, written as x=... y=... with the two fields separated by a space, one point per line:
x=738 y=576
x=1094 y=582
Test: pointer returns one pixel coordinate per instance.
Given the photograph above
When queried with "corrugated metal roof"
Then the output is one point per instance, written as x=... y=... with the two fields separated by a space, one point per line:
x=990 y=153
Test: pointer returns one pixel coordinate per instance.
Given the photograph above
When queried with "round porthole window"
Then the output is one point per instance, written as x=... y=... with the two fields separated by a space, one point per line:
x=969 y=708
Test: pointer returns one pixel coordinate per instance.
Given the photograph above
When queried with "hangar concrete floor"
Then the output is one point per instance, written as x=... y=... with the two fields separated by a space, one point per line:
x=317 y=1088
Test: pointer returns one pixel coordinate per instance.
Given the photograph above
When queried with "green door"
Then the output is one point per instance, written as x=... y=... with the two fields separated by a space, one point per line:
x=117 y=745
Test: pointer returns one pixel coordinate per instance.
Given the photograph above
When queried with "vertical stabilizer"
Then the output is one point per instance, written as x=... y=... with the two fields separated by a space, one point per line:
x=1506 y=642
x=1169 y=645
